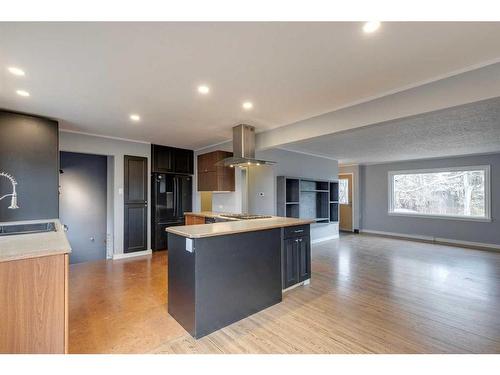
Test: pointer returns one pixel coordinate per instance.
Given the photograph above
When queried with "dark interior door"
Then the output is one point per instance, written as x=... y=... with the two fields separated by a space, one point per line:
x=136 y=203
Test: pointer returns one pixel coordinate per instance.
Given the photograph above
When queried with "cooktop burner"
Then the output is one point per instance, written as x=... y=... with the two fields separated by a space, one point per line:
x=245 y=216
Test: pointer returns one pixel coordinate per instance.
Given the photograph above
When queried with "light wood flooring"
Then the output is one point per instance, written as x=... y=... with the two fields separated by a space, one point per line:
x=368 y=294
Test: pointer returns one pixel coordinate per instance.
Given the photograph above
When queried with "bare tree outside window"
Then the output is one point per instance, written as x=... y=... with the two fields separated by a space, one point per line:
x=451 y=192
x=343 y=191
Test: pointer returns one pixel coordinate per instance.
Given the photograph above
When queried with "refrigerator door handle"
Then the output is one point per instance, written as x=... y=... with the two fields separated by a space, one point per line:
x=174 y=201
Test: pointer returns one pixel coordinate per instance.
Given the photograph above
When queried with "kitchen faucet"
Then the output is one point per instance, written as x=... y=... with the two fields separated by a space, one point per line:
x=13 y=195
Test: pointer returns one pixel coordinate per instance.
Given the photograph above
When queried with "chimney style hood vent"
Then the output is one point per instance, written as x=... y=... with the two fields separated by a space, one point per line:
x=243 y=148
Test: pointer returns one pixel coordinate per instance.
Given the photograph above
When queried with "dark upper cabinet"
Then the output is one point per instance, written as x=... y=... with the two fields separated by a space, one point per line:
x=183 y=161
x=172 y=160
x=212 y=177
x=296 y=256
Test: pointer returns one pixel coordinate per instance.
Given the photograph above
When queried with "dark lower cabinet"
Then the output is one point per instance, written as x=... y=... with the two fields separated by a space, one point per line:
x=296 y=256
x=290 y=262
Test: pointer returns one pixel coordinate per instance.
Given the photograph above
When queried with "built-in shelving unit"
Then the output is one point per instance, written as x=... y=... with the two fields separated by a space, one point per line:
x=308 y=199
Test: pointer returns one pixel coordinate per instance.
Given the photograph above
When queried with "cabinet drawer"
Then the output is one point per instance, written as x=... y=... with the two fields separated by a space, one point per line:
x=298 y=230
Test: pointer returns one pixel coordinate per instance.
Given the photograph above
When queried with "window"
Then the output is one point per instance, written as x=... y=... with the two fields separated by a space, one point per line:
x=343 y=191
x=460 y=193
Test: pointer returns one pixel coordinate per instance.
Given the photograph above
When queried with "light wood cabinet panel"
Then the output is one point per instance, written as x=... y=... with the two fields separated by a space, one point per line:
x=193 y=220
x=33 y=305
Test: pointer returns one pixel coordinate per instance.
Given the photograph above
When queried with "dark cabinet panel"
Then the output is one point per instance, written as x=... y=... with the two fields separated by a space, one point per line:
x=304 y=252
x=162 y=159
x=183 y=161
x=135 y=228
x=212 y=177
x=296 y=255
x=171 y=160
x=135 y=203
x=290 y=263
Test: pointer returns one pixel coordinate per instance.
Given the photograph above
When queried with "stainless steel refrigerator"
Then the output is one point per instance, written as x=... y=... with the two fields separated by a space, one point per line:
x=172 y=196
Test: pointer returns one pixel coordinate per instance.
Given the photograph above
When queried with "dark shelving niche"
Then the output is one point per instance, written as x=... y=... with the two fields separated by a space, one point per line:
x=307 y=199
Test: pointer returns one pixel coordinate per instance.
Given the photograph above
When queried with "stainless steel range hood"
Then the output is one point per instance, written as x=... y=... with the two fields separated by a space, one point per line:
x=243 y=148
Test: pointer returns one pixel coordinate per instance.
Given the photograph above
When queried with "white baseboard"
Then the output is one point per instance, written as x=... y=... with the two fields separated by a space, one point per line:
x=438 y=240
x=323 y=239
x=132 y=255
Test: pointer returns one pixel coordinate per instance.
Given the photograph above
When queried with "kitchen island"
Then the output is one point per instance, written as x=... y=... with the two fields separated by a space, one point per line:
x=223 y=272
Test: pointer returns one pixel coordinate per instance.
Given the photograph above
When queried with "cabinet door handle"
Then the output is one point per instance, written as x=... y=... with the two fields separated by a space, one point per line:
x=298 y=231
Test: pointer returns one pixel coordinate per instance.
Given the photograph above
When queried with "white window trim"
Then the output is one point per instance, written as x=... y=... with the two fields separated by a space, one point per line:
x=487 y=191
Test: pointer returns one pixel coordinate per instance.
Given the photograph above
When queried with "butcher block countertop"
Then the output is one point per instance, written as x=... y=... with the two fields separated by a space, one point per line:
x=24 y=246
x=232 y=227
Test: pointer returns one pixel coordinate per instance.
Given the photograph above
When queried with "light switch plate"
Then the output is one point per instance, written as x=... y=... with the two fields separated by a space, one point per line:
x=189 y=245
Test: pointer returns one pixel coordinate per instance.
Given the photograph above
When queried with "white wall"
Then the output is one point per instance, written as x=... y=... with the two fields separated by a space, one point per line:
x=76 y=142
x=356 y=203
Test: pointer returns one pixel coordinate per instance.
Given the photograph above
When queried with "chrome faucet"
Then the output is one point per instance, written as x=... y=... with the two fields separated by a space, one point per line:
x=13 y=195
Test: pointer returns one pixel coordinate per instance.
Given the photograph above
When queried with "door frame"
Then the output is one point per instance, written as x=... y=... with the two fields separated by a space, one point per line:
x=353 y=205
x=110 y=203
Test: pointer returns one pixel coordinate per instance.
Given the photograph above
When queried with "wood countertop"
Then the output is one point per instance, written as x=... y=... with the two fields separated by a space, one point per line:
x=232 y=227
x=33 y=245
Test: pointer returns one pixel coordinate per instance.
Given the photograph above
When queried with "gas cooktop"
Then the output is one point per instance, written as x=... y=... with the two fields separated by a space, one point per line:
x=245 y=216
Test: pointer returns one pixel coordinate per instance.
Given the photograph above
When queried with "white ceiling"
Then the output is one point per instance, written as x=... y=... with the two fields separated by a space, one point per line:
x=91 y=76
x=467 y=129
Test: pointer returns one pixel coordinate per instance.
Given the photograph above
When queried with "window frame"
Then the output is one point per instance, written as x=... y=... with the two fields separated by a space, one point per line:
x=487 y=193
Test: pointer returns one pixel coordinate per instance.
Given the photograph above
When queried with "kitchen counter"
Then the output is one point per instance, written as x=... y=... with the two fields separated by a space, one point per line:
x=235 y=226
x=222 y=272
x=25 y=246
x=211 y=214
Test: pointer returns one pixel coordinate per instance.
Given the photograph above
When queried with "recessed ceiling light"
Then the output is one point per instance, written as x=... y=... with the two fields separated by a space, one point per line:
x=370 y=27
x=15 y=71
x=22 y=93
x=135 y=117
x=203 y=89
x=247 y=105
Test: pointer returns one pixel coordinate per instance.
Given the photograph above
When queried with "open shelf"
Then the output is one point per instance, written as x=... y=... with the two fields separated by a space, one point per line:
x=334 y=212
x=315 y=200
x=292 y=210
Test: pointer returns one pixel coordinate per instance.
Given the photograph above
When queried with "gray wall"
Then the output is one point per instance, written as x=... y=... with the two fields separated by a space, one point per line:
x=374 y=201
x=83 y=204
x=28 y=152
x=116 y=148
x=262 y=183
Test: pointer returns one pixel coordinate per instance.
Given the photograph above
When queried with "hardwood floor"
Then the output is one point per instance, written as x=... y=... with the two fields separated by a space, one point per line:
x=367 y=295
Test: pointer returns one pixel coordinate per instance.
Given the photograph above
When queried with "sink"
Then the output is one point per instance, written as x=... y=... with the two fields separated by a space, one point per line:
x=14 y=229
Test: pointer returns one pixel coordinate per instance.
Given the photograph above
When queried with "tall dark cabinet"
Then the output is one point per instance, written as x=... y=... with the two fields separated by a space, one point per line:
x=136 y=203
x=29 y=152
x=171 y=190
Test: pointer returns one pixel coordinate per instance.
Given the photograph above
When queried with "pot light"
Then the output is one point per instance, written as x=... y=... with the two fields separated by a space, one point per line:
x=370 y=27
x=22 y=93
x=135 y=117
x=203 y=89
x=247 y=105
x=16 y=71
